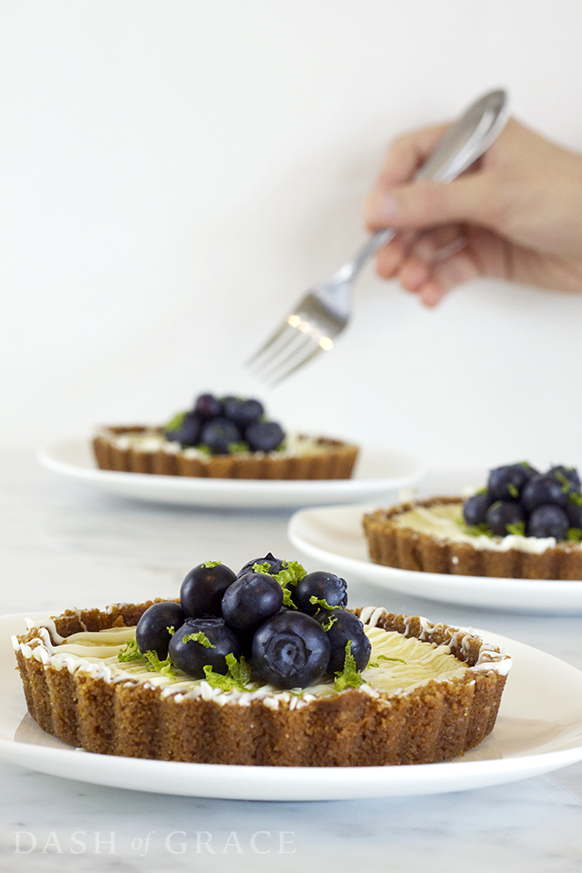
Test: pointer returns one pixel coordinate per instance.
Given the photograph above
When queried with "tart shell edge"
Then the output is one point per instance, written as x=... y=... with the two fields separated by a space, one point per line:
x=434 y=722
x=406 y=549
x=336 y=462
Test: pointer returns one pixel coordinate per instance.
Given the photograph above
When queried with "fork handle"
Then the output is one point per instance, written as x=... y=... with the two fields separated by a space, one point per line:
x=376 y=241
x=350 y=269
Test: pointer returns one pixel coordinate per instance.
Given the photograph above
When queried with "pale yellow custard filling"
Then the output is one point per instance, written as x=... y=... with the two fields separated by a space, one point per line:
x=410 y=662
x=397 y=665
x=443 y=522
x=398 y=662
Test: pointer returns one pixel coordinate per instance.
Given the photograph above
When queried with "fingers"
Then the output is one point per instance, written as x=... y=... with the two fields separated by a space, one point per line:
x=432 y=293
x=398 y=201
x=407 y=154
x=424 y=247
x=431 y=264
x=433 y=283
x=425 y=204
x=444 y=276
x=390 y=258
x=438 y=244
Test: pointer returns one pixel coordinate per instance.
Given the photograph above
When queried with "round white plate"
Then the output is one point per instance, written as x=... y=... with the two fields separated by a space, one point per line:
x=335 y=538
x=377 y=472
x=539 y=729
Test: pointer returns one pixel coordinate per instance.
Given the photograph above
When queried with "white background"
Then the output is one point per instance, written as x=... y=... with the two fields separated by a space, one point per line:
x=174 y=174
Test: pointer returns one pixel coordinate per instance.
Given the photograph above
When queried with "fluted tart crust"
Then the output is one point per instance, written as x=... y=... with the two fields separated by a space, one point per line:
x=398 y=542
x=116 y=448
x=85 y=704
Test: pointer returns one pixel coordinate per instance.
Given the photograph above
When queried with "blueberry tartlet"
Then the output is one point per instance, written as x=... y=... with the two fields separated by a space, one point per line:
x=523 y=524
x=266 y=666
x=223 y=438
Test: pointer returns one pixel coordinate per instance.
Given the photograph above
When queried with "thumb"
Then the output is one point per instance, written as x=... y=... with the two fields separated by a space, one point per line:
x=423 y=204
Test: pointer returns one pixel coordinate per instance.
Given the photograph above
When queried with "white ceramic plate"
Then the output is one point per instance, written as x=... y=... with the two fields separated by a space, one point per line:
x=377 y=472
x=539 y=729
x=335 y=538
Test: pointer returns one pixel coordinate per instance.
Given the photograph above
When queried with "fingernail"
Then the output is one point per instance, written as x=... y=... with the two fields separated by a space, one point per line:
x=388 y=208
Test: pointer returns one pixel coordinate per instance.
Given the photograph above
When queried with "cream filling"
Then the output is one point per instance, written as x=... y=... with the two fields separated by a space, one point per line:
x=96 y=653
x=441 y=522
x=404 y=663
x=149 y=441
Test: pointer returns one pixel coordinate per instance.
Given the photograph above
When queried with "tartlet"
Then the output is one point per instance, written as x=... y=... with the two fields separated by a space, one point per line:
x=142 y=449
x=223 y=437
x=429 y=536
x=112 y=708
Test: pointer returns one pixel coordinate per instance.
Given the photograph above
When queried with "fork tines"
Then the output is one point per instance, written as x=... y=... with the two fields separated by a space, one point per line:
x=296 y=342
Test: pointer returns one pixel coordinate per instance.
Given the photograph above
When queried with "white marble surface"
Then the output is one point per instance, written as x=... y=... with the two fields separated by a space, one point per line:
x=63 y=545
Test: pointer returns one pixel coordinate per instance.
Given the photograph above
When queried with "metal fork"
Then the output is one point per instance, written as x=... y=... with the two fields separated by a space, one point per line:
x=323 y=313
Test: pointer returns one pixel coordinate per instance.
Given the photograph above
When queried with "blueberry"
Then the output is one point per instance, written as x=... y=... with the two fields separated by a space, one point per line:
x=203 y=589
x=193 y=656
x=543 y=489
x=506 y=483
x=151 y=633
x=208 y=406
x=275 y=564
x=568 y=473
x=548 y=520
x=501 y=513
x=218 y=434
x=188 y=432
x=250 y=600
x=475 y=508
x=574 y=513
x=264 y=436
x=345 y=627
x=323 y=586
x=242 y=412
x=291 y=650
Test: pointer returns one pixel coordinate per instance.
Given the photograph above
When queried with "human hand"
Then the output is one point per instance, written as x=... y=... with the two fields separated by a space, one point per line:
x=515 y=215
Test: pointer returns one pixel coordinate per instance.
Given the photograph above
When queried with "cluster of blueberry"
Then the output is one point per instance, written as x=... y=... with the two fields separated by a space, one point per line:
x=521 y=500
x=292 y=626
x=224 y=424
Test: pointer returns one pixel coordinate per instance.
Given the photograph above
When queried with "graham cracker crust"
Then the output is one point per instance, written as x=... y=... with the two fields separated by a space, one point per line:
x=408 y=549
x=335 y=462
x=434 y=722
